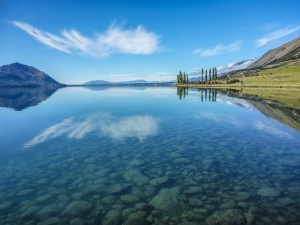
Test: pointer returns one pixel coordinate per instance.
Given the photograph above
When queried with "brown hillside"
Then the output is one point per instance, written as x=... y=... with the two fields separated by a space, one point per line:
x=288 y=51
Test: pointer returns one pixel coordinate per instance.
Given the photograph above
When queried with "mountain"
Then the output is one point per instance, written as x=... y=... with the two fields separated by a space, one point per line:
x=222 y=70
x=132 y=82
x=97 y=82
x=19 y=75
x=285 y=52
x=195 y=79
x=236 y=66
x=121 y=83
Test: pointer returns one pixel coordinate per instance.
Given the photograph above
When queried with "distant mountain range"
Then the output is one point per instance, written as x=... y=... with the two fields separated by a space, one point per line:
x=222 y=70
x=283 y=58
x=19 y=75
x=131 y=82
x=236 y=66
x=285 y=52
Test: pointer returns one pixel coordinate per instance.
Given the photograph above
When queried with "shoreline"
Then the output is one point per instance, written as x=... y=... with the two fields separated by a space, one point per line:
x=297 y=86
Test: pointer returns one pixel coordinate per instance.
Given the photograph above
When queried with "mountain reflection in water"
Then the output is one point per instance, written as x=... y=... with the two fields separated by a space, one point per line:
x=284 y=114
x=143 y=156
x=23 y=97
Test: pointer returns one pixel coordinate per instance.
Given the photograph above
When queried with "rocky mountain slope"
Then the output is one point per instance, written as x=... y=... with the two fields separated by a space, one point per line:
x=19 y=75
x=285 y=52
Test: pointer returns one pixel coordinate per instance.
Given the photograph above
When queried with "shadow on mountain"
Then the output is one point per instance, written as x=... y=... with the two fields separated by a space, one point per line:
x=22 y=98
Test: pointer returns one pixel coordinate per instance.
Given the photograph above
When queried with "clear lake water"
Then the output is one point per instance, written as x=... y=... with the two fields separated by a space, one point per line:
x=142 y=156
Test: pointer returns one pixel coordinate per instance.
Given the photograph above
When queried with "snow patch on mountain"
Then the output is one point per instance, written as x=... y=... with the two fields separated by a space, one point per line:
x=235 y=66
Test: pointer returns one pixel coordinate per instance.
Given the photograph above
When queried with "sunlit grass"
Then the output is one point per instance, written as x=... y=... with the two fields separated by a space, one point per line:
x=287 y=74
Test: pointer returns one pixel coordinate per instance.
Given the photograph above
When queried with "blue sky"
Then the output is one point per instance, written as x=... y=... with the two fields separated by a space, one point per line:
x=78 y=41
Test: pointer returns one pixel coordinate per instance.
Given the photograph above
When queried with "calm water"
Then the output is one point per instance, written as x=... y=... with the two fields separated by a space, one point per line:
x=137 y=156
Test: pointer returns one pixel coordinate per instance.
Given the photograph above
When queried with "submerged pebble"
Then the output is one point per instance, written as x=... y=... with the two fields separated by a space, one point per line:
x=195 y=171
x=77 y=208
x=227 y=217
x=268 y=192
x=135 y=176
x=166 y=200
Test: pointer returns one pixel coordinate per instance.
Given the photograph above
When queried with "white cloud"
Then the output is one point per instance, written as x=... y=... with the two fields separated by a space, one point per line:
x=275 y=35
x=140 y=127
x=114 y=40
x=220 y=49
x=137 y=41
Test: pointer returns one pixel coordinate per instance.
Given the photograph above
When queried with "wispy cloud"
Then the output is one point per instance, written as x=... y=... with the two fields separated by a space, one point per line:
x=275 y=35
x=220 y=49
x=114 y=40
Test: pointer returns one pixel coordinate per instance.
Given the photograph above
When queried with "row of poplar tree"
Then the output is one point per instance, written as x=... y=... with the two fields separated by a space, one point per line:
x=182 y=78
x=206 y=75
x=209 y=75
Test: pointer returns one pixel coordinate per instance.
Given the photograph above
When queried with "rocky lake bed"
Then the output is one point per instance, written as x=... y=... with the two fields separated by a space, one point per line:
x=234 y=174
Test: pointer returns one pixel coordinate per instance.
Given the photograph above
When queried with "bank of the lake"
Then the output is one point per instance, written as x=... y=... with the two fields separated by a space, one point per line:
x=283 y=96
x=277 y=75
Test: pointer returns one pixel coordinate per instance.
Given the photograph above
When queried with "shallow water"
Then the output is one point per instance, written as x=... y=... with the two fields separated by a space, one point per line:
x=146 y=156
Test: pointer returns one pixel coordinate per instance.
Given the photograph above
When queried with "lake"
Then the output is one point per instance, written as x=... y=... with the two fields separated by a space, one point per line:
x=146 y=155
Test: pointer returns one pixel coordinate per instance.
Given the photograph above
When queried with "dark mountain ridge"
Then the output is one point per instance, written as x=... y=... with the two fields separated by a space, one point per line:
x=20 y=75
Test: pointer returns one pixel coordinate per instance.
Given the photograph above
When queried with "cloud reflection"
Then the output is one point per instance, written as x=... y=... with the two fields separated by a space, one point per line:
x=220 y=118
x=235 y=102
x=258 y=124
x=271 y=129
x=140 y=127
x=134 y=91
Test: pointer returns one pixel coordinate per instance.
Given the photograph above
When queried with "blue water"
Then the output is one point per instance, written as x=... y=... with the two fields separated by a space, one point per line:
x=146 y=156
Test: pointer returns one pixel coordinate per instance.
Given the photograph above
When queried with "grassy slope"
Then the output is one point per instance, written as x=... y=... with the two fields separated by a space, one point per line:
x=284 y=74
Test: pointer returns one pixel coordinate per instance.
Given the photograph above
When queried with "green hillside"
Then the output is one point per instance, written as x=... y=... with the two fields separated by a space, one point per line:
x=276 y=75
